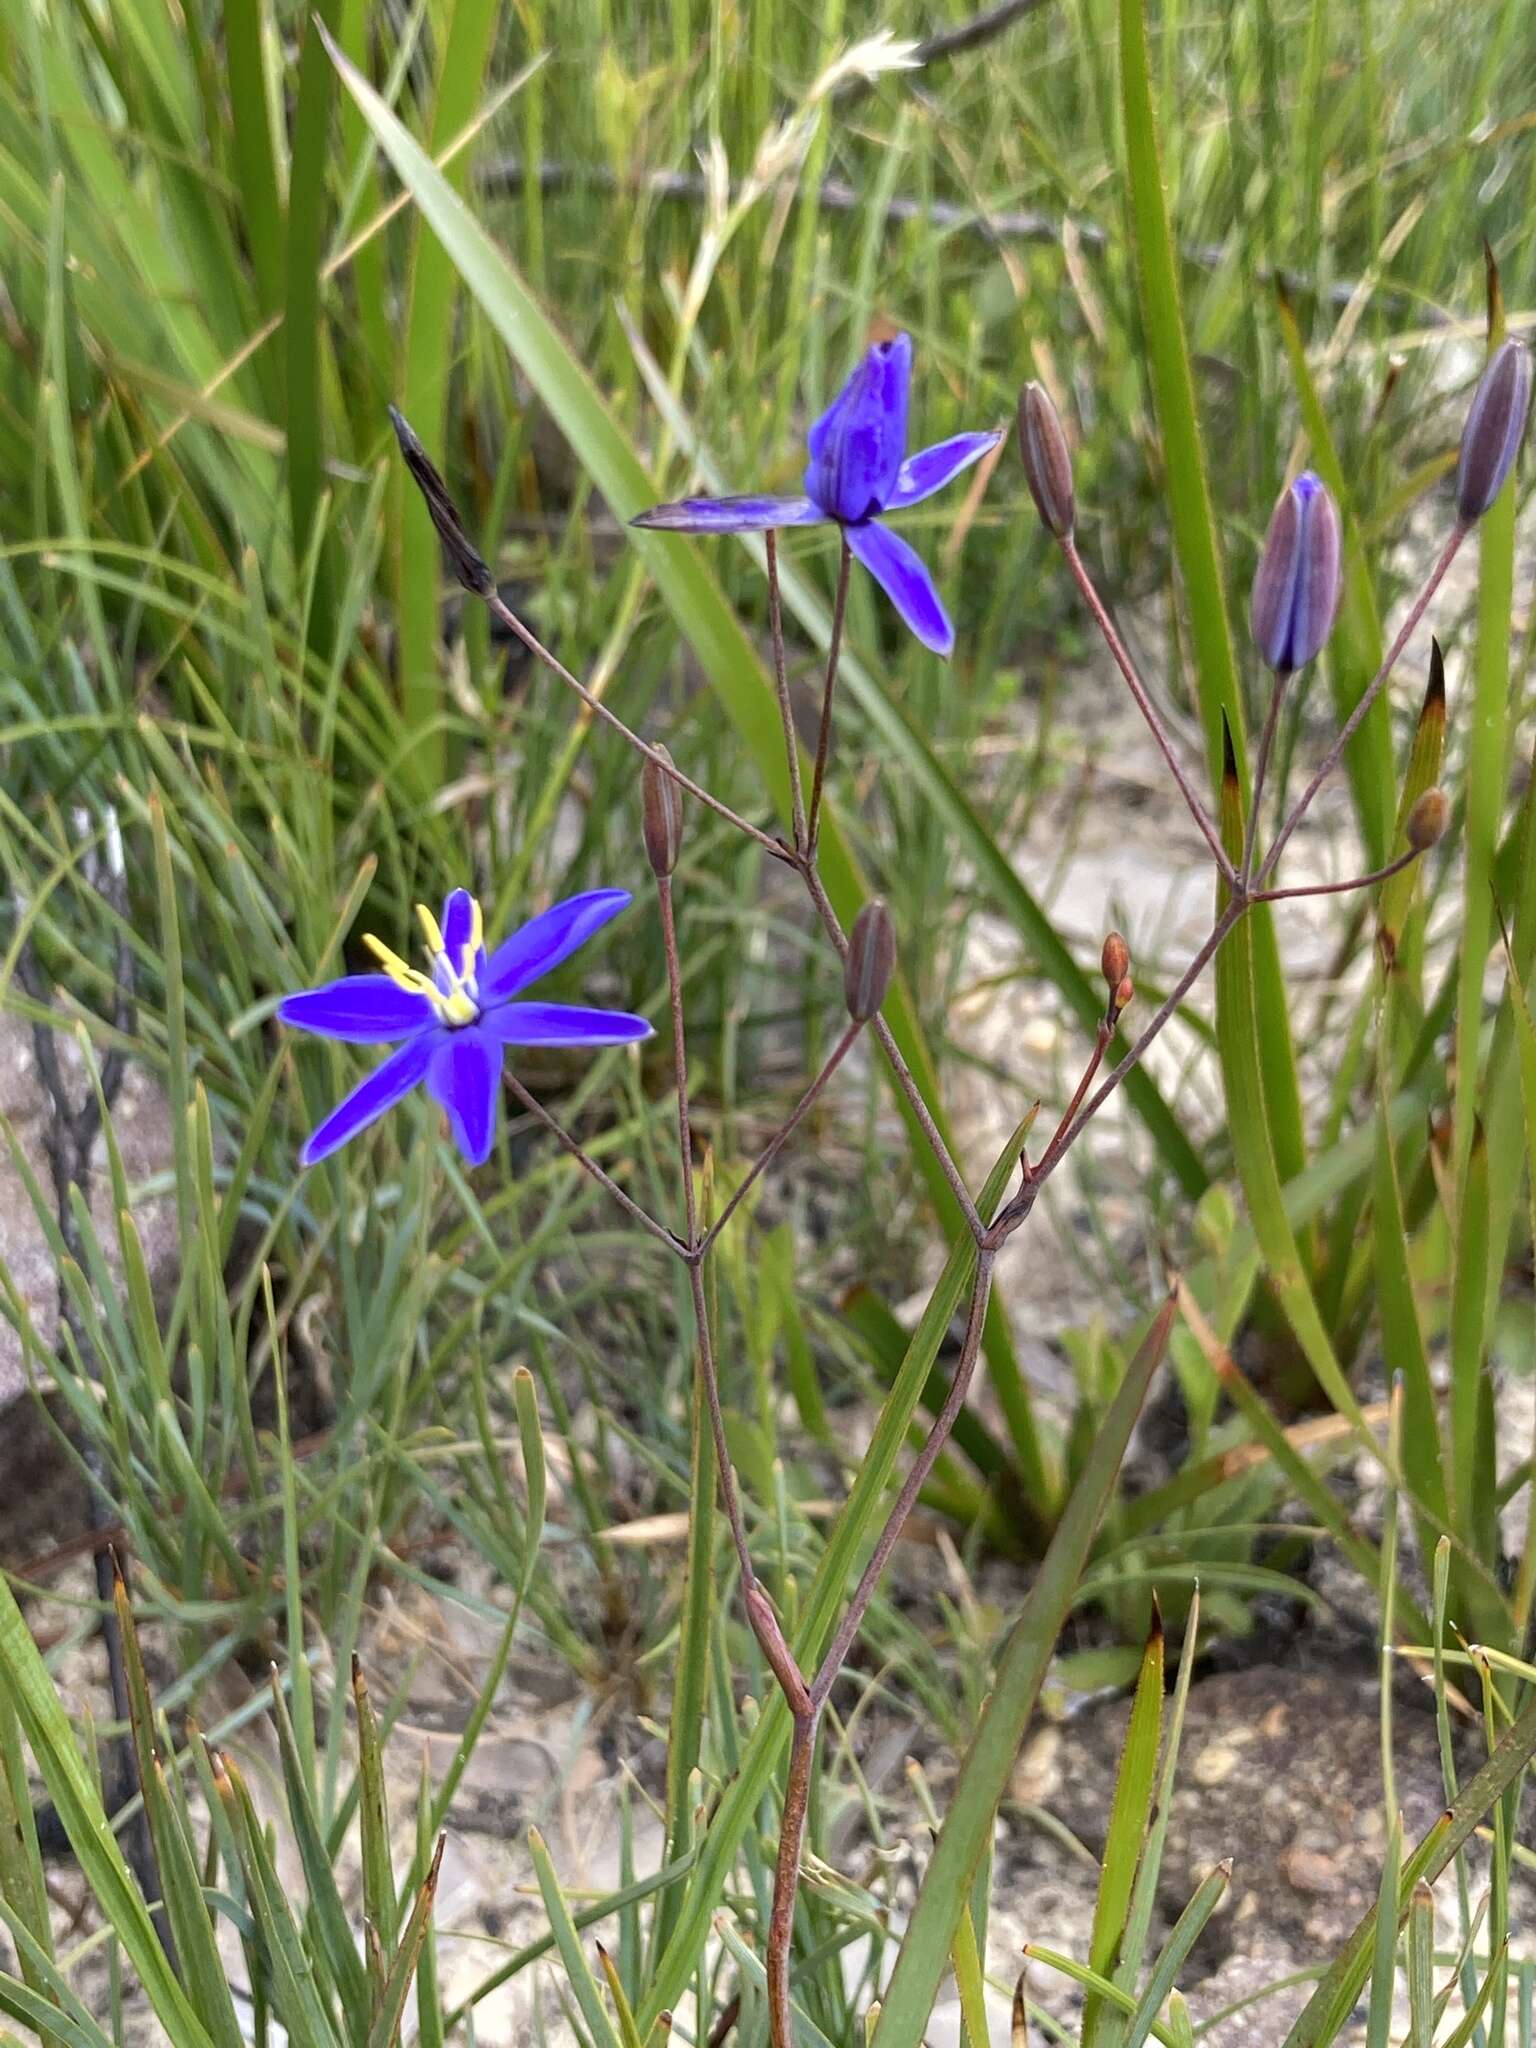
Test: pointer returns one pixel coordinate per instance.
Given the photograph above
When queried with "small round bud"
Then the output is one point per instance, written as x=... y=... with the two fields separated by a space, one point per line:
x=1125 y=994
x=1495 y=422
x=871 y=961
x=1047 y=460
x=1427 y=820
x=1115 y=960
x=661 y=816
x=1296 y=590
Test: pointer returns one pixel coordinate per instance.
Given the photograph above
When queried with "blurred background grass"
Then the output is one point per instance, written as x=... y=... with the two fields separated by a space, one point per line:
x=224 y=626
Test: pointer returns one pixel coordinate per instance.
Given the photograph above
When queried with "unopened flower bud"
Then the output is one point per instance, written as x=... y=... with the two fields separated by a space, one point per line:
x=1491 y=438
x=464 y=558
x=1115 y=961
x=1296 y=590
x=661 y=815
x=871 y=961
x=1125 y=994
x=1047 y=460
x=1427 y=820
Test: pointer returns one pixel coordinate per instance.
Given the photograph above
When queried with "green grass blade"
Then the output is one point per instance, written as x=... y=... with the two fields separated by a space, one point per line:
x=1187 y=1930
x=1129 y=1815
x=584 y=1985
x=58 y=1759
x=925 y=1948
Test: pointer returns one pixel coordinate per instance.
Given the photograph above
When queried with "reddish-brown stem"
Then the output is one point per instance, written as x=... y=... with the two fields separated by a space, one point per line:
x=786 y=1876
x=589 y=1165
x=781 y=1136
x=711 y=1379
x=1261 y=768
x=1393 y=867
x=912 y=1485
x=922 y=1115
x=514 y=625
x=1144 y=704
x=1101 y=1038
x=679 y=1057
x=781 y=686
x=824 y=731
x=1372 y=691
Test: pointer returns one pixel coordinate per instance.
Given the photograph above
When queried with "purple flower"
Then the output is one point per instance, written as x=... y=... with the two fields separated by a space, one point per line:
x=858 y=470
x=454 y=1023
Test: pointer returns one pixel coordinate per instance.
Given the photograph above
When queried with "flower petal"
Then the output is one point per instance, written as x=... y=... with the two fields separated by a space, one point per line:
x=729 y=515
x=360 y=1009
x=562 y=1024
x=465 y=1080
x=383 y=1088
x=858 y=443
x=932 y=468
x=904 y=578
x=458 y=923
x=548 y=939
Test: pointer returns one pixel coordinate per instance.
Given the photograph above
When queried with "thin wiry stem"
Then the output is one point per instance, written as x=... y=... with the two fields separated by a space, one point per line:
x=903 y=1073
x=781 y=687
x=1261 y=769
x=589 y=1165
x=1385 y=874
x=824 y=733
x=514 y=625
x=1144 y=704
x=679 y=1058
x=711 y=1377
x=782 y=1135
x=786 y=1876
x=1373 y=690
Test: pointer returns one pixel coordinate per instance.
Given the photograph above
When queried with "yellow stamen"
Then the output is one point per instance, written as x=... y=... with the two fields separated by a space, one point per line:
x=433 y=931
x=458 y=1008
x=400 y=973
x=476 y=929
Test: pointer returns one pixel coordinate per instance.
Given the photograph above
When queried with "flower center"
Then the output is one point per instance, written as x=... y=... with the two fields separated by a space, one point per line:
x=451 y=986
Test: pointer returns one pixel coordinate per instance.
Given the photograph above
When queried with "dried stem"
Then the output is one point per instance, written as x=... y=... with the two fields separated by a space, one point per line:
x=1144 y=704
x=824 y=732
x=786 y=1876
x=1373 y=690
x=595 y=705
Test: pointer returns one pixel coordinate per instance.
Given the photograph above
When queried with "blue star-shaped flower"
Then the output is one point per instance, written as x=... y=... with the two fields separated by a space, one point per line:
x=457 y=1020
x=858 y=470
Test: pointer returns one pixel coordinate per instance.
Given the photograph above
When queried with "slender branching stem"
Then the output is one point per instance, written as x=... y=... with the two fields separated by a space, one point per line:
x=595 y=705
x=1393 y=867
x=679 y=1059
x=1144 y=704
x=782 y=1135
x=913 y=1484
x=1261 y=769
x=1372 y=691
x=711 y=1377
x=786 y=1876
x=1101 y=1038
x=589 y=1165
x=781 y=686
x=921 y=1113
x=824 y=731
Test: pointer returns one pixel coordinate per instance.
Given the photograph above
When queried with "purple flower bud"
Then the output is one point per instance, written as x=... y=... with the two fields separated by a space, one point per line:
x=1047 y=460
x=871 y=961
x=1296 y=590
x=1491 y=438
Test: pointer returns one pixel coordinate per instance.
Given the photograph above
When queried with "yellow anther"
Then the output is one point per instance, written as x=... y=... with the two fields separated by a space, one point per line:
x=399 y=971
x=476 y=930
x=458 y=1008
x=432 y=929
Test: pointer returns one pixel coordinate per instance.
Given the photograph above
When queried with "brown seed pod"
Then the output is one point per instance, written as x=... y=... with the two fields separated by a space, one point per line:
x=1047 y=460
x=871 y=961
x=661 y=816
